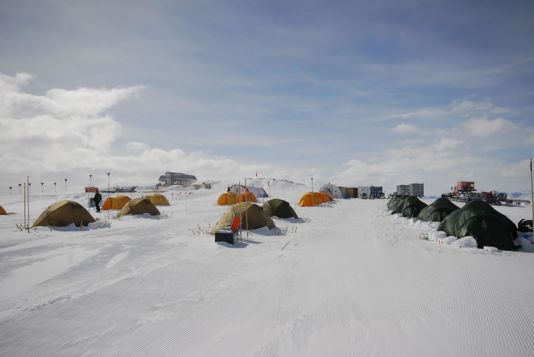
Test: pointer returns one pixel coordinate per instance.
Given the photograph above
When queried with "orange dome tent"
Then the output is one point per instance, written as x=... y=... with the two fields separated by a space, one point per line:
x=115 y=202
x=327 y=197
x=310 y=199
x=247 y=196
x=2 y=211
x=319 y=197
x=227 y=198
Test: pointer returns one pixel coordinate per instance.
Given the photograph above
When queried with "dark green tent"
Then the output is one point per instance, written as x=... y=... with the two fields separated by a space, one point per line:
x=481 y=221
x=394 y=201
x=397 y=205
x=279 y=208
x=412 y=206
x=438 y=210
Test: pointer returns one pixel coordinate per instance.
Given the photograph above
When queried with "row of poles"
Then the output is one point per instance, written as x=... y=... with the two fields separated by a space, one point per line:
x=27 y=185
x=25 y=189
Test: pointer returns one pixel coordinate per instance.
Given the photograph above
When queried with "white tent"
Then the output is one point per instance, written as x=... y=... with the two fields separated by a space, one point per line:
x=332 y=189
x=257 y=191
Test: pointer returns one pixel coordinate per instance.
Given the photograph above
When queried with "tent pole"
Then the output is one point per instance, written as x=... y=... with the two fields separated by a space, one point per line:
x=28 y=204
x=24 y=200
x=531 y=191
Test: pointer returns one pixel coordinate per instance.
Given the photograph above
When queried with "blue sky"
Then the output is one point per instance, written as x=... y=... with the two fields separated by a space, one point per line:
x=351 y=92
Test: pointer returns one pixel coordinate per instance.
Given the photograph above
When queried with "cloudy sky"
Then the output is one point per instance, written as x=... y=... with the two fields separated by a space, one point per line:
x=352 y=92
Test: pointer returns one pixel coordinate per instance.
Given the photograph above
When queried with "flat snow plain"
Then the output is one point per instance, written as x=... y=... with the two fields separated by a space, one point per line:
x=344 y=280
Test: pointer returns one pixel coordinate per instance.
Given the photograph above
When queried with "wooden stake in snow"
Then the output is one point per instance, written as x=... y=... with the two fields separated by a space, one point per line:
x=531 y=191
x=26 y=186
x=109 y=187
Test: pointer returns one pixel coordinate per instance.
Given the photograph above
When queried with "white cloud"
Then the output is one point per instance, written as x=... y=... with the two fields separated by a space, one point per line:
x=405 y=128
x=483 y=127
x=439 y=161
x=457 y=108
x=68 y=133
x=137 y=147
x=437 y=169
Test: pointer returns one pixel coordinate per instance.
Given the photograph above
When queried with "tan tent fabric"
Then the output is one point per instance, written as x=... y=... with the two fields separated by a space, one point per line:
x=252 y=217
x=63 y=213
x=247 y=196
x=310 y=199
x=139 y=206
x=2 y=211
x=158 y=199
x=115 y=202
x=227 y=198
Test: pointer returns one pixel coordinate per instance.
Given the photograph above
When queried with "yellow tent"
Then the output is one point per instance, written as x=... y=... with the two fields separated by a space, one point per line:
x=115 y=202
x=158 y=199
x=63 y=213
x=252 y=217
x=227 y=198
x=247 y=196
x=139 y=206
x=310 y=199
x=2 y=211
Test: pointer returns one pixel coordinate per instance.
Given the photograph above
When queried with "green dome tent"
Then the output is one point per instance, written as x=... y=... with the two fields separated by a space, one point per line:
x=438 y=210
x=279 y=208
x=412 y=206
x=481 y=221
x=396 y=203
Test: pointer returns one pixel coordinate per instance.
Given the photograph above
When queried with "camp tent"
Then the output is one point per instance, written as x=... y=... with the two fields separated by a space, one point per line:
x=252 y=217
x=257 y=191
x=227 y=198
x=310 y=199
x=438 y=210
x=325 y=196
x=2 y=211
x=247 y=196
x=139 y=206
x=481 y=221
x=115 y=202
x=395 y=205
x=412 y=206
x=394 y=201
x=333 y=190
x=237 y=189
x=158 y=199
x=64 y=213
x=279 y=208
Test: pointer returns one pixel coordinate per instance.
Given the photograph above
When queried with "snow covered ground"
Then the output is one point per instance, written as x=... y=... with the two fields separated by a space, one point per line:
x=346 y=279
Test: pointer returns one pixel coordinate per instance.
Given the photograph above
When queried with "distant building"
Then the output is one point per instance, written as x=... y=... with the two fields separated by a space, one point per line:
x=417 y=189
x=403 y=189
x=176 y=178
x=413 y=189
x=370 y=192
x=349 y=192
